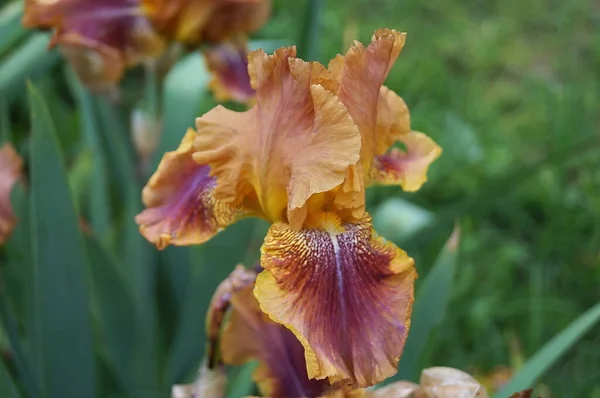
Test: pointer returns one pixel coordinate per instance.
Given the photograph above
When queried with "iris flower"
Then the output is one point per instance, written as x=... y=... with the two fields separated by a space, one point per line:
x=222 y=27
x=101 y=38
x=301 y=158
x=249 y=335
x=11 y=171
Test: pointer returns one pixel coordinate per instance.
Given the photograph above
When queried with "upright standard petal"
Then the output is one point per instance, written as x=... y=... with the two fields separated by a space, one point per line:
x=181 y=208
x=345 y=292
x=228 y=63
x=297 y=141
x=11 y=171
x=381 y=115
x=99 y=37
x=361 y=73
x=251 y=335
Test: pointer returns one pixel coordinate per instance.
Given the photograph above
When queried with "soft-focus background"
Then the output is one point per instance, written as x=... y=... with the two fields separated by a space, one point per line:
x=508 y=88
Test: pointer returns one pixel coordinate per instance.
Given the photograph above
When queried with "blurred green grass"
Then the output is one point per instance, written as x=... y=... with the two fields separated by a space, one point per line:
x=511 y=91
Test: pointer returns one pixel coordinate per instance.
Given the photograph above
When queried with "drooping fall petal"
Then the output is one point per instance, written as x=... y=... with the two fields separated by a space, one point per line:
x=228 y=63
x=100 y=37
x=181 y=208
x=11 y=169
x=251 y=335
x=407 y=168
x=345 y=292
x=297 y=141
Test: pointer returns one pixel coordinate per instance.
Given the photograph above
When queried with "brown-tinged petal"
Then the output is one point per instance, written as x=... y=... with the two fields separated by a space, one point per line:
x=11 y=171
x=228 y=62
x=181 y=209
x=345 y=292
x=361 y=73
x=297 y=141
x=443 y=382
x=407 y=168
x=210 y=383
x=251 y=335
x=100 y=37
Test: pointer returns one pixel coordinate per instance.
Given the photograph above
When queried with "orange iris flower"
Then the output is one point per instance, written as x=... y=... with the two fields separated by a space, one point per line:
x=301 y=158
x=11 y=171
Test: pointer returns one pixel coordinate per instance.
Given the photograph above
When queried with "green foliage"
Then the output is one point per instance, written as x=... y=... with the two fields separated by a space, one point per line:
x=512 y=102
x=551 y=352
x=61 y=337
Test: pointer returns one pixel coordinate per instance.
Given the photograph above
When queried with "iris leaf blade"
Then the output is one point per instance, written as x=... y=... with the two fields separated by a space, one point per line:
x=430 y=305
x=551 y=352
x=63 y=336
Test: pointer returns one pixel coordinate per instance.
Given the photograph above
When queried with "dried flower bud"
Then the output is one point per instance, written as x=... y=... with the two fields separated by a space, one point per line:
x=443 y=382
x=145 y=131
x=211 y=383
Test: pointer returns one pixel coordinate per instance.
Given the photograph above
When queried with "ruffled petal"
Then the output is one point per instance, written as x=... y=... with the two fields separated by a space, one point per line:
x=297 y=141
x=407 y=168
x=181 y=208
x=228 y=63
x=361 y=73
x=99 y=37
x=345 y=292
x=11 y=171
x=251 y=335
